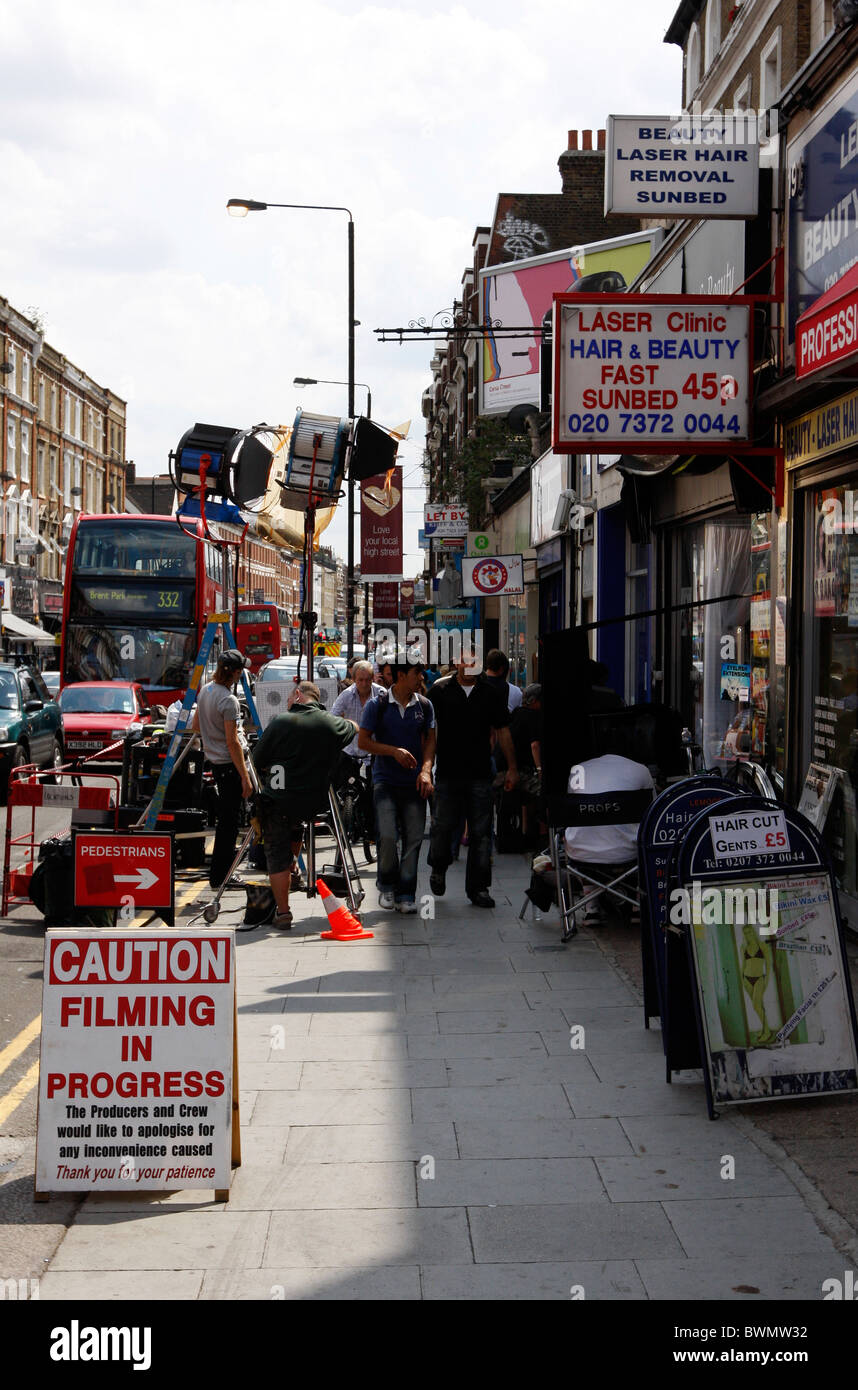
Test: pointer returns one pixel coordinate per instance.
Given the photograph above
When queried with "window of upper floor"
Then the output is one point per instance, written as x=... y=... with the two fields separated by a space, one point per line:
x=770 y=72
x=712 y=33
x=821 y=22
x=692 y=63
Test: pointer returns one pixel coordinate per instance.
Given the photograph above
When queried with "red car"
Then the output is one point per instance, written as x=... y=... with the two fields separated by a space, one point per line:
x=98 y=713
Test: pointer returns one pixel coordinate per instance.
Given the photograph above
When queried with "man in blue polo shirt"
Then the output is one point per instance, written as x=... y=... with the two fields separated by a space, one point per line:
x=398 y=728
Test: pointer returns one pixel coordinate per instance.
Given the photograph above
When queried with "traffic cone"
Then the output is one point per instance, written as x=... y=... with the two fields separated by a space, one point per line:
x=344 y=927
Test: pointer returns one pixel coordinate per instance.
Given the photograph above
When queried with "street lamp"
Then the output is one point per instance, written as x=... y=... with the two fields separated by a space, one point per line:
x=324 y=381
x=240 y=207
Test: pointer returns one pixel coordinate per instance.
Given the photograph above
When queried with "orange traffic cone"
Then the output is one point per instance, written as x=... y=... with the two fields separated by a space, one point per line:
x=344 y=927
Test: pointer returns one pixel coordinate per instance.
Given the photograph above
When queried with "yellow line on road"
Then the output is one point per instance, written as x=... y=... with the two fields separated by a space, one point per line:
x=20 y=1044
x=19 y=1092
x=182 y=900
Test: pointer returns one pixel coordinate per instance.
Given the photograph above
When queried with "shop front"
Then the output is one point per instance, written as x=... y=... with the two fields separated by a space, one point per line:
x=822 y=458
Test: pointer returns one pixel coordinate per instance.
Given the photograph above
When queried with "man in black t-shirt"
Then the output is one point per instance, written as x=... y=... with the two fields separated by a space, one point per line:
x=467 y=709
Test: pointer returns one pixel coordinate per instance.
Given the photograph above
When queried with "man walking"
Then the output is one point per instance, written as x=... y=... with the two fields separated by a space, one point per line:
x=398 y=727
x=351 y=703
x=467 y=709
x=217 y=716
x=298 y=753
x=497 y=673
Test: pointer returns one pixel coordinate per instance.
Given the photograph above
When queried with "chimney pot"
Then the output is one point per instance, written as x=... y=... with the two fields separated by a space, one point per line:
x=586 y=139
x=601 y=138
x=573 y=140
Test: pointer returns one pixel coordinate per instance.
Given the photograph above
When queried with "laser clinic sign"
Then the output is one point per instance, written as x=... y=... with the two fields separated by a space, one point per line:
x=135 y=1075
x=651 y=373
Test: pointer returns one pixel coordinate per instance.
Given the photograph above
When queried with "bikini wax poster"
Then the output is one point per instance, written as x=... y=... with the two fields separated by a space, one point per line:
x=771 y=979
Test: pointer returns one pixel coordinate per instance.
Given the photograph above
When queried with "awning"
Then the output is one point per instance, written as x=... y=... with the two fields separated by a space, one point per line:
x=18 y=627
x=826 y=334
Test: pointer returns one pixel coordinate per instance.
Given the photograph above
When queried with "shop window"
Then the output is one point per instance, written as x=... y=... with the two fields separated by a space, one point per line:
x=829 y=644
x=722 y=676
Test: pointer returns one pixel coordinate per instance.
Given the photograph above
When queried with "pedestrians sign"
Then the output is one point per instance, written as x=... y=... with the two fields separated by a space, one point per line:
x=109 y=869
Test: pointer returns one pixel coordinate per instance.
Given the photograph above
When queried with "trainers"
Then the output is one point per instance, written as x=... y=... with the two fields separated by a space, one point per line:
x=283 y=920
x=438 y=885
x=386 y=899
x=408 y=905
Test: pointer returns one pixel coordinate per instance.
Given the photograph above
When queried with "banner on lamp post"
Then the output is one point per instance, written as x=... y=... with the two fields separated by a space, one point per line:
x=385 y=601
x=381 y=527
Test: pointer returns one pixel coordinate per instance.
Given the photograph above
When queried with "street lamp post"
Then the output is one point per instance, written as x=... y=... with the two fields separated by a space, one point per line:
x=324 y=381
x=240 y=207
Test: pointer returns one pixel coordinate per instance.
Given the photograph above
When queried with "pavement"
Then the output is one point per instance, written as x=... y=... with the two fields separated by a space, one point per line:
x=461 y=1108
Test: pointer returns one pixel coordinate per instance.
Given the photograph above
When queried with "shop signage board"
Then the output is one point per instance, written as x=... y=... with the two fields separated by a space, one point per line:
x=651 y=373
x=703 y=165
x=822 y=227
x=110 y=869
x=440 y=520
x=824 y=430
x=137 y=1060
x=775 y=1014
x=492 y=575
x=481 y=543
x=827 y=334
x=661 y=828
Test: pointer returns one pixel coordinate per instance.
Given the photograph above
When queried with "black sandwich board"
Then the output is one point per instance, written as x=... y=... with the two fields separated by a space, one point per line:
x=764 y=939
x=663 y=824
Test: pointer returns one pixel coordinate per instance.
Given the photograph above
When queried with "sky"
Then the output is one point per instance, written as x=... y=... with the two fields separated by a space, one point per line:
x=125 y=127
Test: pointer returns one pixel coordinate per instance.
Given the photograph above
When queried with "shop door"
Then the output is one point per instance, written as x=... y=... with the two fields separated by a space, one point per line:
x=551 y=602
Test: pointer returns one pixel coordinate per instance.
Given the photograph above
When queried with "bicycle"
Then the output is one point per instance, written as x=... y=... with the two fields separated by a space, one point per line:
x=354 y=794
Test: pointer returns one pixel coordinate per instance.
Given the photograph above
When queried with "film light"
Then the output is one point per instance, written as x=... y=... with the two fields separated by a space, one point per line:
x=317 y=456
x=207 y=447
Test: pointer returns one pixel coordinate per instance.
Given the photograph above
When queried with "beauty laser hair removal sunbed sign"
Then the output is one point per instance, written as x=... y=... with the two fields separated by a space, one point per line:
x=651 y=373
x=137 y=1062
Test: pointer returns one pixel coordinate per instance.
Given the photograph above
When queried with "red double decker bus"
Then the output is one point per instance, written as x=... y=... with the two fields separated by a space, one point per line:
x=262 y=632
x=137 y=593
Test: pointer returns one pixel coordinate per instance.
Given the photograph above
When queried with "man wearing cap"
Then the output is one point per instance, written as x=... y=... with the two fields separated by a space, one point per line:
x=217 y=718
x=297 y=753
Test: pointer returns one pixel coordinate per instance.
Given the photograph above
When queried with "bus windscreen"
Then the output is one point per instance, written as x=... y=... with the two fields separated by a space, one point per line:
x=142 y=550
x=157 y=658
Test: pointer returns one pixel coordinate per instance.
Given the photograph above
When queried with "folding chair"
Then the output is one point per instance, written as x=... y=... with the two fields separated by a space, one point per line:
x=620 y=880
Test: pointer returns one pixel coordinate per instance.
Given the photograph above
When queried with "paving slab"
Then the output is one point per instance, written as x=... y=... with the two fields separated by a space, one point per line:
x=636 y=1099
x=339 y=1107
x=594 y=1231
x=588 y=1279
x=508 y=1182
x=398 y=1283
x=378 y=1143
x=472 y=1102
x=399 y=1237
x=686 y=1136
x=746 y=1226
x=538 y=1071
x=375 y=1074
x=163 y=1238
x=501 y=1137
x=486 y=1045
x=756 y=1279
x=659 y=1178
x=498 y=1020
x=97 y=1286
x=305 y=1186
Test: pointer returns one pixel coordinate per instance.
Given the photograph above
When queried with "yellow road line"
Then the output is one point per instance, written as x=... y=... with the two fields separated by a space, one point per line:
x=20 y=1044
x=19 y=1092
x=182 y=900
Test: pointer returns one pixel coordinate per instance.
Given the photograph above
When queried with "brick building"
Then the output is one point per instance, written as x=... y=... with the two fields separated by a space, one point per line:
x=62 y=451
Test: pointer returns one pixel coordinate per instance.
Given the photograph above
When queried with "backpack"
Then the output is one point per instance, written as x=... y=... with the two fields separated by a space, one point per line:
x=384 y=701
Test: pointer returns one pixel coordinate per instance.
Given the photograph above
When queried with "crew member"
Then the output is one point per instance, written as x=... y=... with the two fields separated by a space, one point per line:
x=217 y=717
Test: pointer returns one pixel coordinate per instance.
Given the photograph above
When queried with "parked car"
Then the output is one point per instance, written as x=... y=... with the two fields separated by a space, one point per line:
x=99 y=713
x=31 y=723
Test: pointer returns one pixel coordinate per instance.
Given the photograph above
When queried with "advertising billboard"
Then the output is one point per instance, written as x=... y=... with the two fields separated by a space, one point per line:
x=519 y=295
x=822 y=223
x=648 y=373
x=696 y=166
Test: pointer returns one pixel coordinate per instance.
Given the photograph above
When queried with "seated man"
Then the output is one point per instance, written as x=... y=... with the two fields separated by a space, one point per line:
x=614 y=845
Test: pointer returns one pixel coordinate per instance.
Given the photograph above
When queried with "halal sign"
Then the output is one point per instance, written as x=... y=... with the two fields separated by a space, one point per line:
x=489 y=575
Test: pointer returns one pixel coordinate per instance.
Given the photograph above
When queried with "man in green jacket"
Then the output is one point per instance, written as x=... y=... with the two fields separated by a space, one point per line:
x=297 y=753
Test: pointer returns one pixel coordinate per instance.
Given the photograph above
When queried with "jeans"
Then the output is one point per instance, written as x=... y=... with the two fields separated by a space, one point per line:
x=228 y=785
x=400 y=812
x=474 y=800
